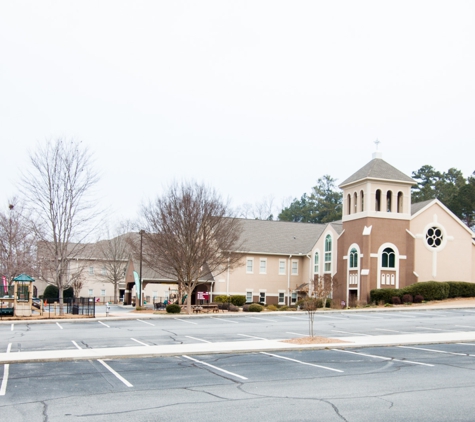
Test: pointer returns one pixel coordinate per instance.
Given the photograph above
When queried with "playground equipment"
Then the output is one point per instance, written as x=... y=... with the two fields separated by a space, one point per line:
x=17 y=299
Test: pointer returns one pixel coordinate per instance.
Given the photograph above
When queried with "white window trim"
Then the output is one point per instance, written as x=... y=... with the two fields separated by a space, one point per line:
x=394 y=271
x=252 y=265
x=262 y=260
x=296 y=261
x=252 y=295
x=282 y=261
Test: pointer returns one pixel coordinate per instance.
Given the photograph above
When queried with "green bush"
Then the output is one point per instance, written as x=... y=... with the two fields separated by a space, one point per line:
x=238 y=300
x=51 y=293
x=461 y=289
x=173 y=308
x=222 y=299
x=384 y=295
x=254 y=307
x=272 y=308
x=431 y=290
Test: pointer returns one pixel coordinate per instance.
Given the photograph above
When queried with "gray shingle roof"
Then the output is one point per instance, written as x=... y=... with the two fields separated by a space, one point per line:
x=280 y=237
x=377 y=168
x=415 y=208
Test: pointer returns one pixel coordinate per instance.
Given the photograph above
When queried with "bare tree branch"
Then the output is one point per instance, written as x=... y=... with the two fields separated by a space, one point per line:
x=190 y=236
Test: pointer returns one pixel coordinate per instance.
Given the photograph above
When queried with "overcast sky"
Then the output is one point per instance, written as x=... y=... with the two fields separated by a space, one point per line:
x=255 y=98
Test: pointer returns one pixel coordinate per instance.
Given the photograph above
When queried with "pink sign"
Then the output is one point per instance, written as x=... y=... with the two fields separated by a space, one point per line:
x=202 y=295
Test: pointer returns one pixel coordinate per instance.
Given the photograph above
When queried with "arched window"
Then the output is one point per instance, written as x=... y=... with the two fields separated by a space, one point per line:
x=378 y=201
x=388 y=258
x=349 y=204
x=389 y=200
x=355 y=200
x=399 y=202
x=328 y=254
x=362 y=200
x=316 y=262
x=353 y=258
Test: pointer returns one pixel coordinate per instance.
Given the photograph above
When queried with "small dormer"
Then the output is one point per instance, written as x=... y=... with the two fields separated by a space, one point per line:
x=377 y=190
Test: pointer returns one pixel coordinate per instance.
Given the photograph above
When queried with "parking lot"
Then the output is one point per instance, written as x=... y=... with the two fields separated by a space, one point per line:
x=416 y=382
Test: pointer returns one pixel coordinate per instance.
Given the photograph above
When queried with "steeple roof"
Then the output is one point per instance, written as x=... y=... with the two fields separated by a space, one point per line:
x=379 y=169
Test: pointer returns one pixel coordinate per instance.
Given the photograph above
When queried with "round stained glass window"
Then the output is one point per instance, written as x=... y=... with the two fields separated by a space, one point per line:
x=434 y=237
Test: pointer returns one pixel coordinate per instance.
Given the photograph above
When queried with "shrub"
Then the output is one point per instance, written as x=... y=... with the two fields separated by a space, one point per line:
x=431 y=290
x=282 y=308
x=418 y=299
x=245 y=308
x=272 y=308
x=238 y=300
x=255 y=307
x=222 y=299
x=233 y=308
x=407 y=298
x=173 y=308
x=384 y=295
x=223 y=306
x=52 y=292
x=396 y=300
x=461 y=289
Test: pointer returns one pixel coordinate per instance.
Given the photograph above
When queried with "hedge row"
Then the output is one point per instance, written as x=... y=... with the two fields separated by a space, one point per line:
x=430 y=290
x=236 y=300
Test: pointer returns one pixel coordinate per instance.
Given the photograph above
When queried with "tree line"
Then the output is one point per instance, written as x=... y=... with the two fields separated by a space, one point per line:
x=324 y=202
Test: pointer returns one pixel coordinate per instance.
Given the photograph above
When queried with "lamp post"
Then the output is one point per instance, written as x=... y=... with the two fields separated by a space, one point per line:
x=141 y=232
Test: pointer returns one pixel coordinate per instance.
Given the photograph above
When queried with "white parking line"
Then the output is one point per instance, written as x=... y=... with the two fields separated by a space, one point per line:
x=353 y=334
x=465 y=326
x=435 y=351
x=145 y=322
x=262 y=319
x=434 y=329
x=299 y=361
x=466 y=344
x=100 y=322
x=225 y=320
x=215 y=367
x=6 y=372
x=297 y=334
x=127 y=383
x=294 y=317
x=331 y=317
x=12 y=327
x=184 y=320
x=144 y=344
x=382 y=357
x=364 y=316
x=258 y=338
x=394 y=331
x=199 y=339
x=72 y=341
x=59 y=325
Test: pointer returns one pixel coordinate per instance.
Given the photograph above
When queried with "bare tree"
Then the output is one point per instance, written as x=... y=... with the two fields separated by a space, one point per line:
x=190 y=236
x=263 y=210
x=115 y=251
x=17 y=242
x=59 y=190
x=321 y=291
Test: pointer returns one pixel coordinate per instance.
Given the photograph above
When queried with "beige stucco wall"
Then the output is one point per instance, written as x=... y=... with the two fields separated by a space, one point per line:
x=453 y=261
x=369 y=187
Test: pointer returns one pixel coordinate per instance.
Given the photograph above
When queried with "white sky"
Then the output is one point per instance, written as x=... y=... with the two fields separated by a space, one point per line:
x=255 y=98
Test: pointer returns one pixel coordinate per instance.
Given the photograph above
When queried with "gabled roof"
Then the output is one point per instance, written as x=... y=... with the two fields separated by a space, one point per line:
x=280 y=237
x=379 y=169
x=415 y=208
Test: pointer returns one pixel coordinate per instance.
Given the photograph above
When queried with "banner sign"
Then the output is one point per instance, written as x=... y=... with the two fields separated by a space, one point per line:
x=138 y=287
x=202 y=295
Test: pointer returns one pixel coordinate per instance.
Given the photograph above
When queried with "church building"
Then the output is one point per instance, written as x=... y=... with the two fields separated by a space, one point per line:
x=387 y=242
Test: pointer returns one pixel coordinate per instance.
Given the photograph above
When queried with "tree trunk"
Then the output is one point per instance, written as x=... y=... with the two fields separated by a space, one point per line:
x=188 y=300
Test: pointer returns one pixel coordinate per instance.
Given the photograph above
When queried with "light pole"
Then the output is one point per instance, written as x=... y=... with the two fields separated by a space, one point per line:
x=141 y=232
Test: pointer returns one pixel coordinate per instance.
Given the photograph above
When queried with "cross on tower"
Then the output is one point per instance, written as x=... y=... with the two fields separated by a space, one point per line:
x=377 y=142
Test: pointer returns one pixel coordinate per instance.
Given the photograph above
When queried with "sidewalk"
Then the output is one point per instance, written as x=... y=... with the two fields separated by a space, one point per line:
x=231 y=347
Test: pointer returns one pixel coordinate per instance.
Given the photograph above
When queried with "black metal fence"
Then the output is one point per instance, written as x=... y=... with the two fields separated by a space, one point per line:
x=72 y=305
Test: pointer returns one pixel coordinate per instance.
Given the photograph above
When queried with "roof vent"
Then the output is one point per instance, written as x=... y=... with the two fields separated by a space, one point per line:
x=377 y=154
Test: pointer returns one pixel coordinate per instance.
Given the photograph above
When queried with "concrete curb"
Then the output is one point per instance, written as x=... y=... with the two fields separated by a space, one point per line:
x=254 y=346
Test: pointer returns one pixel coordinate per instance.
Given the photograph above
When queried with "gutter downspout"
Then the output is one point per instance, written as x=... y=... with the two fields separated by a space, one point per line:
x=288 y=281
x=227 y=281
x=310 y=279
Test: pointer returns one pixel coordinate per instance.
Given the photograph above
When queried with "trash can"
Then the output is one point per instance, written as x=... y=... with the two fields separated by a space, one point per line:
x=75 y=309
